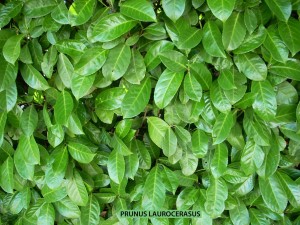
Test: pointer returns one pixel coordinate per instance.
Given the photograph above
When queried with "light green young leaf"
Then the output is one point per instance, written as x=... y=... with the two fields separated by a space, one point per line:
x=7 y=175
x=219 y=161
x=116 y=166
x=240 y=215
x=265 y=104
x=12 y=48
x=216 y=195
x=136 y=99
x=257 y=217
x=90 y=213
x=46 y=214
x=252 y=157
x=222 y=127
x=67 y=208
x=28 y=147
x=157 y=129
x=110 y=99
x=60 y=14
x=290 y=69
x=81 y=85
x=221 y=9
x=200 y=143
x=192 y=87
x=137 y=69
x=166 y=87
x=80 y=152
x=173 y=8
x=76 y=189
x=111 y=27
x=218 y=98
x=154 y=190
x=140 y=10
x=65 y=70
x=38 y=8
x=63 y=107
x=3 y=117
x=169 y=143
x=55 y=194
x=81 y=11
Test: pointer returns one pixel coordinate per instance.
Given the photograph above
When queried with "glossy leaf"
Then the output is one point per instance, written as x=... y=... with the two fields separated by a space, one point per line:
x=63 y=107
x=81 y=11
x=80 y=152
x=138 y=10
x=12 y=48
x=221 y=9
x=212 y=40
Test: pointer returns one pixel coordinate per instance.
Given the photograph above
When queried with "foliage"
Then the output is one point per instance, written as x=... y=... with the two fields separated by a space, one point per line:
x=139 y=104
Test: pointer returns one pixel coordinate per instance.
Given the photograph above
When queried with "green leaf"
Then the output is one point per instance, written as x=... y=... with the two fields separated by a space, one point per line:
x=154 y=190
x=33 y=77
x=111 y=27
x=252 y=157
x=12 y=48
x=55 y=174
x=73 y=48
x=29 y=147
x=29 y=120
x=174 y=60
x=219 y=161
x=216 y=195
x=116 y=166
x=250 y=20
x=222 y=127
x=67 y=208
x=90 y=213
x=288 y=33
x=25 y=170
x=8 y=11
x=200 y=143
x=47 y=214
x=120 y=146
x=38 y=8
x=282 y=9
x=221 y=9
x=234 y=31
x=9 y=72
x=136 y=70
x=170 y=179
x=272 y=193
x=80 y=152
x=157 y=130
x=257 y=217
x=173 y=8
x=81 y=11
x=3 y=118
x=55 y=194
x=136 y=99
x=140 y=10
x=252 y=66
x=7 y=175
x=192 y=87
x=81 y=85
x=117 y=62
x=65 y=70
x=276 y=46
x=110 y=99
x=218 y=98
x=76 y=189
x=60 y=14
x=169 y=143
x=91 y=61
x=265 y=104
x=63 y=107
x=290 y=69
x=239 y=215
x=166 y=87
x=212 y=40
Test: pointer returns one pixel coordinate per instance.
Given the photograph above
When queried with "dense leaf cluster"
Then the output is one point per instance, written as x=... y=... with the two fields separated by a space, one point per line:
x=139 y=104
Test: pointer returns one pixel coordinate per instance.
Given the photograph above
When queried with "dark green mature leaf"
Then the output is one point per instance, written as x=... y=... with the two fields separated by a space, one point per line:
x=282 y=9
x=273 y=193
x=221 y=9
x=252 y=66
x=233 y=31
x=141 y=10
x=212 y=40
x=173 y=60
x=111 y=27
x=63 y=107
x=136 y=99
x=33 y=77
x=290 y=69
x=166 y=87
x=81 y=11
x=12 y=48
